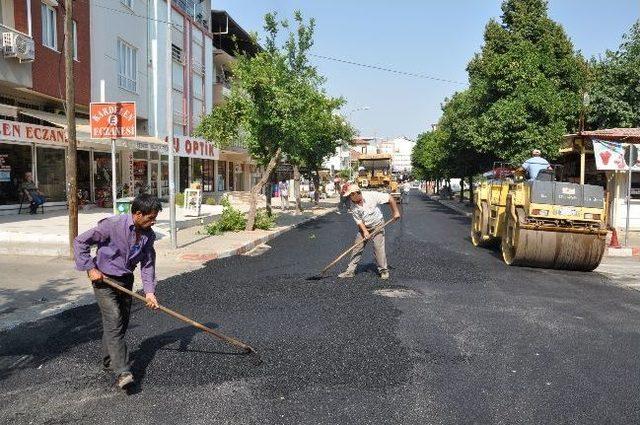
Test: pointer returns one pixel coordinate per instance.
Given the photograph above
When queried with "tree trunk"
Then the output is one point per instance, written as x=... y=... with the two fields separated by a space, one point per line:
x=461 y=189
x=268 y=194
x=470 y=189
x=316 y=183
x=251 y=215
x=296 y=187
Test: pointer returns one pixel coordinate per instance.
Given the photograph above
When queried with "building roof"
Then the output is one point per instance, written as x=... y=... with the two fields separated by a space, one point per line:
x=229 y=36
x=629 y=135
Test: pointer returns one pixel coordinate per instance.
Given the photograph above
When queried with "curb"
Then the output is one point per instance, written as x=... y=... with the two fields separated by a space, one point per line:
x=459 y=210
x=247 y=246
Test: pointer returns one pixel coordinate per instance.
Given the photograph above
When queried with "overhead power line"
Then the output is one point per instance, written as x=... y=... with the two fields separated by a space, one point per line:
x=394 y=71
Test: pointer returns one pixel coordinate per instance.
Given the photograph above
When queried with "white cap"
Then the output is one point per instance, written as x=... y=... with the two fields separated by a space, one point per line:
x=353 y=188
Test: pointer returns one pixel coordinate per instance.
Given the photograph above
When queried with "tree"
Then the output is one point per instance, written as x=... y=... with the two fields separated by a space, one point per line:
x=615 y=94
x=267 y=105
x=525 y=84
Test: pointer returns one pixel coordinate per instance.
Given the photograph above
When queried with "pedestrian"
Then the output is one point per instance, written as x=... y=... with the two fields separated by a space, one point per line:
x=123 y=241
x=365 y=208
x=283 y=187
x=33 y=194
x=344 y=199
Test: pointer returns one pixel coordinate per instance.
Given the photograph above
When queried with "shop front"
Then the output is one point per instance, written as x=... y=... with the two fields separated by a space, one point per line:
x=41 y=151
x=601 y=158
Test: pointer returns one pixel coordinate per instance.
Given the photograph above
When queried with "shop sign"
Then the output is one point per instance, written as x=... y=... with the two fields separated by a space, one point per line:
x=156 y=147
x=14 y=131
x=612 y=156
x=112 y=120
x=194 y=147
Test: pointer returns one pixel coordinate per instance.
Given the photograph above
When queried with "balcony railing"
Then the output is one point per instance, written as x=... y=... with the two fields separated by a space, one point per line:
x=193 y=8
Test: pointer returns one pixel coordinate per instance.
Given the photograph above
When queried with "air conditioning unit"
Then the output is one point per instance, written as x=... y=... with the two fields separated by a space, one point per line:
x=18 y=46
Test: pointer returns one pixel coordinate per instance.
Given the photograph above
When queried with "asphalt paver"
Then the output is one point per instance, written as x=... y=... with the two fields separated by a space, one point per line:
x=455 y=336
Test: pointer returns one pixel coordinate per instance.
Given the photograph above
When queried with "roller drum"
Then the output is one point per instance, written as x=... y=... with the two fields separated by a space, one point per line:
x=550 y=249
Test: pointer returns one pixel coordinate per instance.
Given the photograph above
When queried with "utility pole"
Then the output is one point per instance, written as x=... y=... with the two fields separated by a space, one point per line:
x=172 y=187
x=71 y=171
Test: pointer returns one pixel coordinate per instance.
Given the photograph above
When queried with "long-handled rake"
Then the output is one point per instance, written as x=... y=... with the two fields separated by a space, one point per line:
x=227 y=339
x=354 y=246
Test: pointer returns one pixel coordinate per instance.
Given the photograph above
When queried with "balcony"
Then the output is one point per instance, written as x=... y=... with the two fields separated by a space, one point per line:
x=194 y=9
x=16 y=57
x=221 y=91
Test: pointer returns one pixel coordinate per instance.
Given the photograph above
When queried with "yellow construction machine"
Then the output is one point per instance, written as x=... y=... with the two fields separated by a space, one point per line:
x=375 y=172
x=541 y=223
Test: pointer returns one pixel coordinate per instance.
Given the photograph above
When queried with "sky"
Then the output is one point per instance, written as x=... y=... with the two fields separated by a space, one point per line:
x=432 y=38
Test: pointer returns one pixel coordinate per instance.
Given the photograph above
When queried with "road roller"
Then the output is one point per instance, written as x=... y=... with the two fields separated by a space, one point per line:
x=548 y=224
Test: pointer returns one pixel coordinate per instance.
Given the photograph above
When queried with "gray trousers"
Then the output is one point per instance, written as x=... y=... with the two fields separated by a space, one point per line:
x=115 y=307
x=378 y=250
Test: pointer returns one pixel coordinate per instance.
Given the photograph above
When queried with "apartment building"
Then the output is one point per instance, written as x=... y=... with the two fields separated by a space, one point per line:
x=32 y=88
x=136 y=48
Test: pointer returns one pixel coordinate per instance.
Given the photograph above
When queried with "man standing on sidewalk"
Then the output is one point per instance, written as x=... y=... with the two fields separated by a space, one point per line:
x=365 y=208
x=123 y=241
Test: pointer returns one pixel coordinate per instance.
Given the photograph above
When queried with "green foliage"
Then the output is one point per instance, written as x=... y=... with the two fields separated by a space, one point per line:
x=525 y=88
x=265 y=221
x=615 y=94
x=179 y=199
x=231 y=220
x=525 y=84
x=210 y=200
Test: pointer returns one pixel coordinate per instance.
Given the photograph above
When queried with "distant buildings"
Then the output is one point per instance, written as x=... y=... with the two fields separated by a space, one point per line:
x=346 y=155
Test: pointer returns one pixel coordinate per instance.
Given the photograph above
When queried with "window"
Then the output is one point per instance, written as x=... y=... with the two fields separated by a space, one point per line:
x=128 y=3
x=75 y=41
x=15 y=161
x=127 y=66
x=177 y=67
x=49 y=31
x=51 y=173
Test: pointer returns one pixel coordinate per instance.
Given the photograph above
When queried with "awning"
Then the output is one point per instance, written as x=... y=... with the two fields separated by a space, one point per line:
x=83 y=129
x=8 y=111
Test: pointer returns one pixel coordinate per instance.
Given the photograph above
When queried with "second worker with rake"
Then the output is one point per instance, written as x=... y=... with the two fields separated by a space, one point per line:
x=365 y=208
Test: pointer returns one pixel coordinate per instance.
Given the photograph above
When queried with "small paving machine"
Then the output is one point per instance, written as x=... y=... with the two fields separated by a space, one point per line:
x=542 y=223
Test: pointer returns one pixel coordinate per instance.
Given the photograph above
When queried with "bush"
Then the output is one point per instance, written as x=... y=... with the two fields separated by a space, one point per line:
x=263 y=221
x=179 y=199
x=210 y=201
x=231 y=220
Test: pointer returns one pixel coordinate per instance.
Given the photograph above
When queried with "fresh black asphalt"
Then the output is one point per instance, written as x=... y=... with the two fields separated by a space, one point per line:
x=454 y=336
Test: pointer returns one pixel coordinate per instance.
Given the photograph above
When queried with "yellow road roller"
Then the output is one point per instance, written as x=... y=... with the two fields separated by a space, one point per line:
x=547 y=224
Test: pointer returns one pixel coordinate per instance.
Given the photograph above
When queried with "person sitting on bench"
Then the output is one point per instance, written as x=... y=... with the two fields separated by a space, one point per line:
x=30 y=190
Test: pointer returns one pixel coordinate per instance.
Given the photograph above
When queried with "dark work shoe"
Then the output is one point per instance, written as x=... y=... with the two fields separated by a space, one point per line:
x=125 y=379
x=384 y=274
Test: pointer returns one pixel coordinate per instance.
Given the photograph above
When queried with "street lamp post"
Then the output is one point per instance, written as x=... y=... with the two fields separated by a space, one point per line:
x=362 y=108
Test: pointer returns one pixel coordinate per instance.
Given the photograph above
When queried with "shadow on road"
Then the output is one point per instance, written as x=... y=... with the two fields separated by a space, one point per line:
x=183 y=336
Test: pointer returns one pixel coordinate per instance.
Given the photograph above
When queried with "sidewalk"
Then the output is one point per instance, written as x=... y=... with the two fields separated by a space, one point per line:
x=47 y=234
x=620 y=265
x=33 y=287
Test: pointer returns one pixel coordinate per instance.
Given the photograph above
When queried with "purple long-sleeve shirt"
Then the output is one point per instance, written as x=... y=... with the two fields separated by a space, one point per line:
x=118 y=254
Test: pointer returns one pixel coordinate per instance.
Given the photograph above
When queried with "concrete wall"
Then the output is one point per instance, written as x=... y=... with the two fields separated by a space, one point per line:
x=107 y=26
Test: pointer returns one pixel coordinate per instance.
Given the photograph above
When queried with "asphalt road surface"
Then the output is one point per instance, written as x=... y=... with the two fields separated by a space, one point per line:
x=454 y=336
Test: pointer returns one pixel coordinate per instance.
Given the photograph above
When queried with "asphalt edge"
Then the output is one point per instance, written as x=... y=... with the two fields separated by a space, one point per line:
x=249 y=245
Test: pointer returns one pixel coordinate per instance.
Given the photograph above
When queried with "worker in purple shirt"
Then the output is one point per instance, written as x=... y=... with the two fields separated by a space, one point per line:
x=123 y=241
